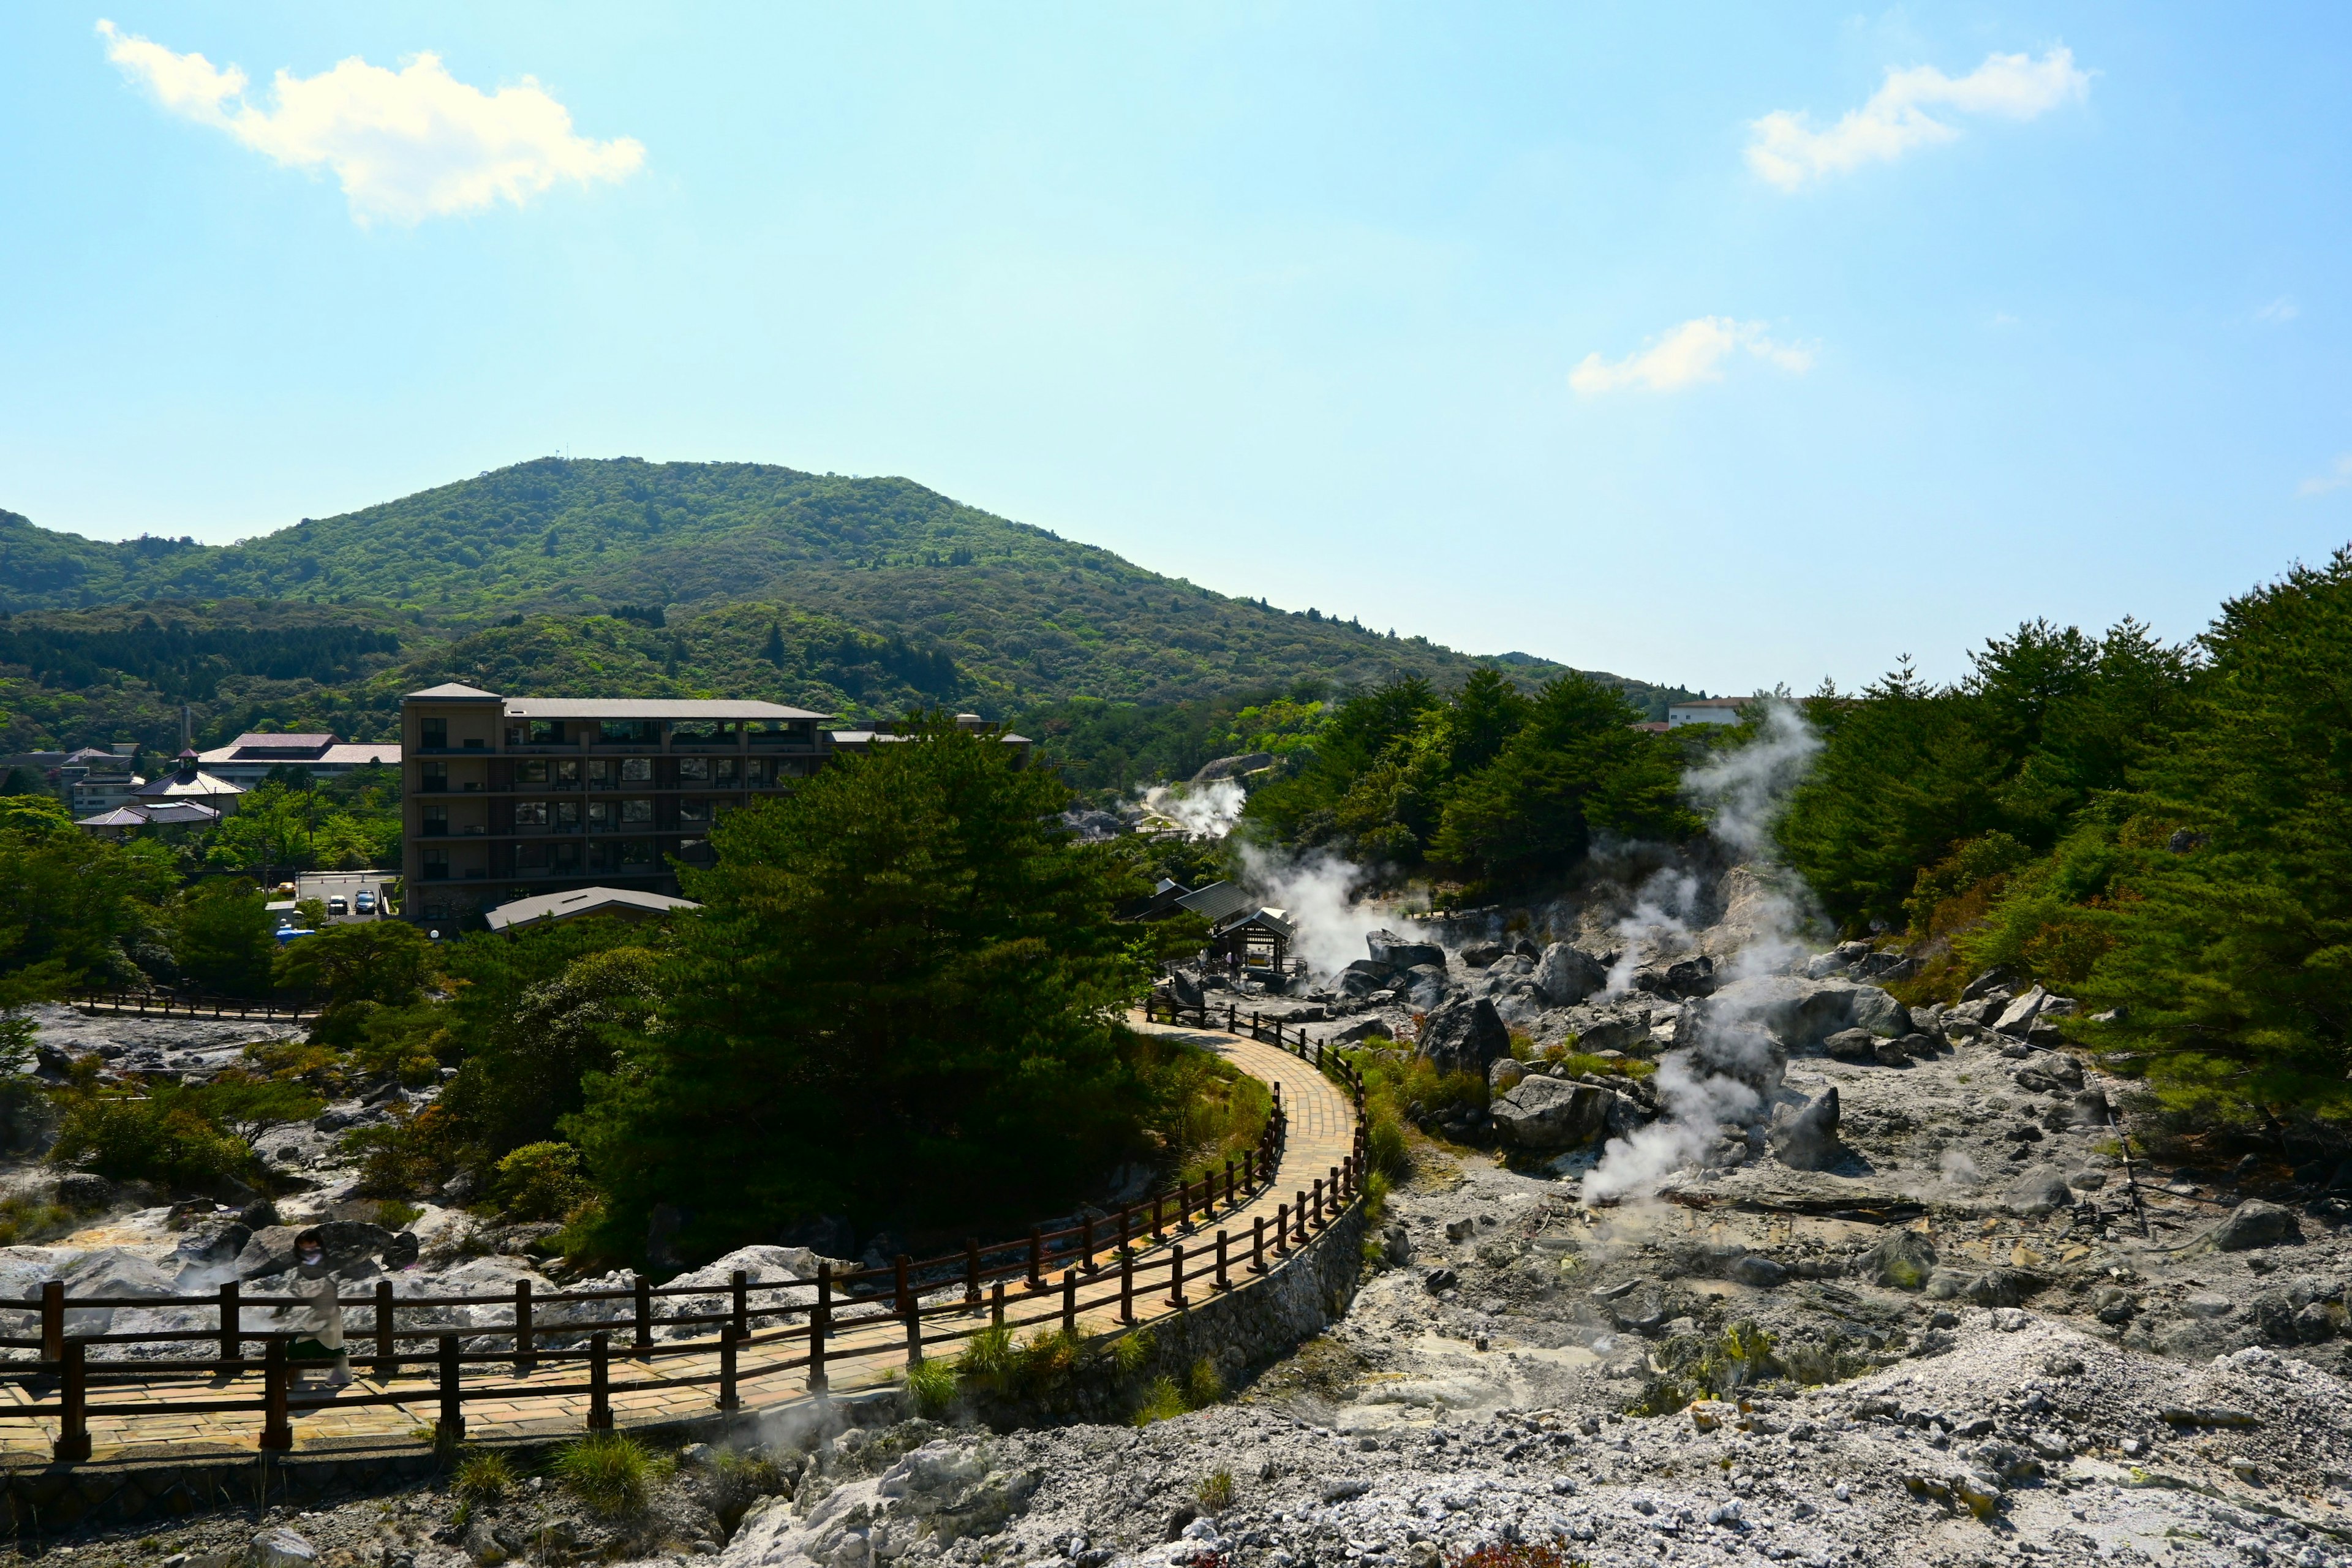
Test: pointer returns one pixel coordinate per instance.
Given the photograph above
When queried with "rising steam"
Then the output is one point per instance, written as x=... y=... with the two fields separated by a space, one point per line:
x=1728 y=1069
x=1318 y=890
x=1205 y=811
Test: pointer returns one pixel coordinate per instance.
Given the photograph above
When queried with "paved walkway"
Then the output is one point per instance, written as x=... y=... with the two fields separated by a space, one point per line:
x=134 y=1419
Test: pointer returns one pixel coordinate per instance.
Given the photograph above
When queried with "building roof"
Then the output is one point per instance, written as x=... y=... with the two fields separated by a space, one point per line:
x=121 y=816
x=178 y=813
x=355 y=753
x=256 y=746
x=647 y=707
x=583 y=901
x=1713 y=702
x=1218 y=902
x=188 y=784
x=451 y=691
x=1654 y=726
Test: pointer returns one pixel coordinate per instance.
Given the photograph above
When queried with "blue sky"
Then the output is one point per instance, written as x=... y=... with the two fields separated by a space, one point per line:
x=1691 y=344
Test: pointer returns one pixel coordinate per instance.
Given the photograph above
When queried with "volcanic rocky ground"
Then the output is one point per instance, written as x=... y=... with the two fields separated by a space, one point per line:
x=1949 y=1324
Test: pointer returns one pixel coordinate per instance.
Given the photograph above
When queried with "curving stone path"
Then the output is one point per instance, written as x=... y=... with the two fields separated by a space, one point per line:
x=126 y=1421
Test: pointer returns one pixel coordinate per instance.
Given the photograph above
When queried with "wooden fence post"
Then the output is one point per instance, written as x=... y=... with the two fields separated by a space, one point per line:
x=1037 y=1259
x=914 y=1336
x=232 y=1342
x=996 y=1305
x=643 y=1339
x=526 y=1357
x=741 y=1283
x=1070 y=1302
x=971 y=1271
x=387 y=1352
x=1223 y=1283
x=276 y=1430
x=451 y=1428
x=73 y=1425
x=1159 y=1227
x=1249 y=1176
x=1318 y=1203
x=1230 y=1195
x=1086 y=1242
x=820 y=1316
x=53 y=1322
x=1126 y=1286
x=1257 y=1245
x=600 y=1383
x=1298 y=1214
x=727 y=1397
x=1176 y=1274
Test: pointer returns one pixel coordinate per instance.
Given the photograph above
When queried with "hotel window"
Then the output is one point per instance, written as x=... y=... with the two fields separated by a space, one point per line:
x=531 y=816
x=530 y=857
x=629 y=731
x=729 y=770
x=436 y=822
x=532 y=773
x=693 y=770
x=600 y=816
x=435 y=780
x=567 y=816
x=637 y=813
x=599 y=855
x=636 y=770
x=436 y=864
x=600 y=772
x=695 y=851
x=693 y=810
x=433 y=733
x=567 y=773
x=547 y=731
x=637 y=851
x=562 y=858
x=755 y=772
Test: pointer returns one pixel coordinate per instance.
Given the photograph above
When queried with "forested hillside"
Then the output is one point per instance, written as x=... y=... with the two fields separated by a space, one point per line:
x=897 y=590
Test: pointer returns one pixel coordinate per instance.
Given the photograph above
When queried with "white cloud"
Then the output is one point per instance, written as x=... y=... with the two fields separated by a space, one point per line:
x=406 y=144
x=1786 y=150
x=2336 y=478
x=2279 y=311
x=1685 y=355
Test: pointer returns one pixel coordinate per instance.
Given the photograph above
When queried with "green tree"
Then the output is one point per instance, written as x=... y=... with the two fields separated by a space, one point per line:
x=902 y=998
x=1575 y=768
x=388 y=962
x=2229 y=951
x=221 y=937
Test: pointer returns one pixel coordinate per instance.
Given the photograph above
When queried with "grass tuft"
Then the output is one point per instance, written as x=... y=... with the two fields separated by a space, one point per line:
x=1215 y=1492
x=484 y=1476
x=611 y=1473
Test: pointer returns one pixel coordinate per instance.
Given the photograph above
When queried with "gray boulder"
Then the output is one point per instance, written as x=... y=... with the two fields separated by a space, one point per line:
x=1758 y=1271
x=1691 y=977
x=1801 y=1014
x=1565 y=976
x=84 y=1190
x=1479 y=954
x=1872 y=1009
x=1504 y=1073
x=1852 y=1045
x=2255 y=1224
x=1549 y=1113
x=1806 y=1139
x=1184 y=990
x=1393 y=952
x=1465 y=1036
x=282 y=1548
x=352 y=1248
x=2039 y=1191
x=2018 y=1015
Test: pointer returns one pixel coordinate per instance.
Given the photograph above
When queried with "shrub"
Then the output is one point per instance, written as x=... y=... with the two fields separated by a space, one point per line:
x=1215 y=1493
x=24 y=1221
x=1163 y=1401
x=610 y=1472
x=540 y=1180
x=1202 y=1387
x=484 y=1476
x=932 y=1385
x=161 y=1136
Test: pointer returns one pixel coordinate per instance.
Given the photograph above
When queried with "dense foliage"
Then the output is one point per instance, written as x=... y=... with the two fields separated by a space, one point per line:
x=2165 y=833
x=903 y=992
x=1489 y=784
x=898 y=591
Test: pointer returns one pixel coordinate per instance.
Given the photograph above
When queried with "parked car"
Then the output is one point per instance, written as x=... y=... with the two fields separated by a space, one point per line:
x=365 y=902
x=339 y=905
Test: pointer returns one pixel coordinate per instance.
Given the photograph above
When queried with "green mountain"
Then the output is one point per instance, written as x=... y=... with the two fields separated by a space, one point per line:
x=852 y=595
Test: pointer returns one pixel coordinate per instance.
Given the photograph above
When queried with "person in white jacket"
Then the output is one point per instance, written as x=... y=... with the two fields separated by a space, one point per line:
x=316 y=1316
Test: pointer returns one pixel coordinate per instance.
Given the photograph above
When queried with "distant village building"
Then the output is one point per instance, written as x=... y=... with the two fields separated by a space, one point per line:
x=248 y=759
x=1705 y=711
x=505 y=799
x=188 y=784
x=1243 y=933
x=95 y=791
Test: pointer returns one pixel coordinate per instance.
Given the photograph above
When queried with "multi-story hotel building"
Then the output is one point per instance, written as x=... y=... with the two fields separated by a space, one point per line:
x=511 y=796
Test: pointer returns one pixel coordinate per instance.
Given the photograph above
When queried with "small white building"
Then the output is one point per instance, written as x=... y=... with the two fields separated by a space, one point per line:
x=95 y=795
x=246 y=760
x=1705 y=711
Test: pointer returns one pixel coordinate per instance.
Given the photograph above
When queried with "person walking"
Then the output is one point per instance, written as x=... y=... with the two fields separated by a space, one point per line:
x=316 y=1316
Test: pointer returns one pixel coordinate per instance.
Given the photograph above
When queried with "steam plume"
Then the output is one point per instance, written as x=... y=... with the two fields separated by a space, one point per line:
x=1209 y=811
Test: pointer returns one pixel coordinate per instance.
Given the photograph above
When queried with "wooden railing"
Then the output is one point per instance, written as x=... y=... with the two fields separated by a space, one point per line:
x=1321 y=1058
x=867 y=1317
x=168 y=1004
